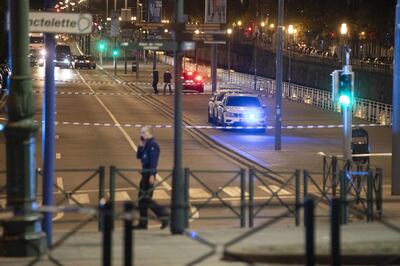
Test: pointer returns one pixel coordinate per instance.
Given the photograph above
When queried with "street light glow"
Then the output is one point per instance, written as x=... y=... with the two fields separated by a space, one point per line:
x=344 y=29
x=263 y=24
x=239 y=23
x=229 y=31
x=290 y=29
x=272 y=25
x=197 y=31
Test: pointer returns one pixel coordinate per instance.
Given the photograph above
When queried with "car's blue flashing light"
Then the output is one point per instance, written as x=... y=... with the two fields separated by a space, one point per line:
x=193 y=235
x=1 y=127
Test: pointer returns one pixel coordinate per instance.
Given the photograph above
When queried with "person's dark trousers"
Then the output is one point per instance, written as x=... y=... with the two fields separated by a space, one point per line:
x=146 y=201
x=155 y=87
x=165 y=87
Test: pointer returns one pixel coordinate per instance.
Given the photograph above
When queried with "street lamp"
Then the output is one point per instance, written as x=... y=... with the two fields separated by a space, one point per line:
x=343 y=33
x=239 y=23
x=229 y=33
x=291 y=31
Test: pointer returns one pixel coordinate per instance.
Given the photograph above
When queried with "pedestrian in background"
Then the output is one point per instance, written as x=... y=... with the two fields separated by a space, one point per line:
x=148 y=153
x=167 y=81
x=155 y=80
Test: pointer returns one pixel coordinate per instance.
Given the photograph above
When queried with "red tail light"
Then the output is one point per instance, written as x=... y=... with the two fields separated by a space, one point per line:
x=198 y=78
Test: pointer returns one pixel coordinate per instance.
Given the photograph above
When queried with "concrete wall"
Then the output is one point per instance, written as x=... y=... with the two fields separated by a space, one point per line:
x=369 y=85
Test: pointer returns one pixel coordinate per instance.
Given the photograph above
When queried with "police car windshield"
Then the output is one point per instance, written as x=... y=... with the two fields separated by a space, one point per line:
x=243 y=101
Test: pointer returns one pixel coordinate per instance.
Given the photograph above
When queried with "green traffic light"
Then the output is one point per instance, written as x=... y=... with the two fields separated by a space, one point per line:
x=115 y=52
x=102 y=46
x=344 y=99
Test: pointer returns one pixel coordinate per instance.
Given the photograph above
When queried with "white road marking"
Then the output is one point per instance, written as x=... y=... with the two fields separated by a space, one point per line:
x=282 y=192
x=58 y=216
x=160 y=195
x=233 y=191
x=57 y=136
x=58 y=156
x=198 y=193
x=195 y=212
x=124 y=133
x=81 y=198
x=121 y=196
x=60 y=184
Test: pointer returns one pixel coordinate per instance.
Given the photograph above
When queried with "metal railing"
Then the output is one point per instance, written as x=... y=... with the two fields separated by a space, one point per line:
x=198 y=176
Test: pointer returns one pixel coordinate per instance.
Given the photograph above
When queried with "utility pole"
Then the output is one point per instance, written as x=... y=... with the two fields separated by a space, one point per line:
x=48 y=130
x=214 y=65
x=396 y=108
x=22 y=234
x=279 y=78
x=178 y=207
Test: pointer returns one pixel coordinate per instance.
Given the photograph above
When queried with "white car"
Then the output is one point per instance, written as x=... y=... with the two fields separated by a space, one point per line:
x=216 y=100
x=241 y=110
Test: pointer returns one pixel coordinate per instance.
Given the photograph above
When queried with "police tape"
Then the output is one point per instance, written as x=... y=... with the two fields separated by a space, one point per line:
x=135 y=83
x=289 y=127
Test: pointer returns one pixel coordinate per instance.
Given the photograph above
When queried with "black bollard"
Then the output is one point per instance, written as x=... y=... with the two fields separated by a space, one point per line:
x=107 y=216
x=335 y=232
x=310 y=236
x=128 y=238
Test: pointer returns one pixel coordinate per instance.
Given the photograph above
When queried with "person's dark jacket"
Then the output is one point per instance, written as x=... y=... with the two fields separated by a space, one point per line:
x=167 y=77
x=149 y=155
x=155 y=76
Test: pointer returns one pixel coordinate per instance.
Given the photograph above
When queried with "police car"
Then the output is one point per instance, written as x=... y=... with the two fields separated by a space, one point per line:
x=216 y=100
x=241 y=110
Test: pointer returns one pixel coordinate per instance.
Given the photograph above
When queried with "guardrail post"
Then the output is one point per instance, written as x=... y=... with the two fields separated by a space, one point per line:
x=334 y=175
x=101 y=189
x=113 y=170
x=298 y=195
x=310 y=237
x=251 y=197
x=106 y=214
x=379 y=191
x=305 y=187
x=335 y=231
x=187 y=199
x=370 y=197
x=128 y=238
x=343 y=196
x=242 y=198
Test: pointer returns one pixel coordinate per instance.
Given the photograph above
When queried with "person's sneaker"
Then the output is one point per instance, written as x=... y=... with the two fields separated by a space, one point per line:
x=139 y=227
x=164 y=223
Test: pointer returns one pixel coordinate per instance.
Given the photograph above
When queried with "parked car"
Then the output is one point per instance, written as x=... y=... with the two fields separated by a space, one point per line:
x=192 y=82
x=84 y=61
x=241 y=110
x=216 y=100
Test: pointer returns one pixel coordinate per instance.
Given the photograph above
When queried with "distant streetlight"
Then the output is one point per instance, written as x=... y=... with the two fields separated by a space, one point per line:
x=344 y=29
x=239 y=23
x=272 y=25
x=290 y=29
x=263 y=24
x=229 y=32
x=197 y=31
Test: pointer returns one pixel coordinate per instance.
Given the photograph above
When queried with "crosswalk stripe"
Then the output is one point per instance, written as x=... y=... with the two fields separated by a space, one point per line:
x=282 y=192
x=121 y=196
x=81 y=198
x=160 y=194
x=60 y=183
x=233 y=191
x=198 y=193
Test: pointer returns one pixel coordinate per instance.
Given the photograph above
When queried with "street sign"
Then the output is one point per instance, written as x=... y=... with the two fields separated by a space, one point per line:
x=114 y=24
x=53 y=22
x=188 y=46
x=160 y=46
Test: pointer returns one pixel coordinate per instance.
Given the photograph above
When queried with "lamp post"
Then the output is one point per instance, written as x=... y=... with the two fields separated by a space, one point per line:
x=343 y=33
x=229 y=33
x=291 y=31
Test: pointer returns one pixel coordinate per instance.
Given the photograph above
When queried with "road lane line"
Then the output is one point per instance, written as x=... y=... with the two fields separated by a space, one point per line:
x=58 y=156
x=282 y=192
x=124 y=133
x=160 y=195
x=198 y=193
x=233 y=191
x=81 y=198
x=60 y=184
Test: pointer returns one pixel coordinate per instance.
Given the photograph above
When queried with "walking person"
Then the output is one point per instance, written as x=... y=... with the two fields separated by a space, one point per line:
x=148 y=153
x=155 y=80
x=167 y=81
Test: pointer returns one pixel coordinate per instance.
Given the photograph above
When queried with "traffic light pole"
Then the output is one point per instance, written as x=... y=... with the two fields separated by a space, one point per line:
x=178 y=207
x=347 y=114
x=22 y=234
x=396 y=108
x=279 y=79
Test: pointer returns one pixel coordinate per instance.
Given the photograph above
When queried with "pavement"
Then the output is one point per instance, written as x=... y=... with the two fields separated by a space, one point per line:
x=362 y=244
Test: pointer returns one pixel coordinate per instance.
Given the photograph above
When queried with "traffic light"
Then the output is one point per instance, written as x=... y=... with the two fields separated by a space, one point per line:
x=343 y=86
x=115 y=52
x=345 y=92
x=102 y=46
